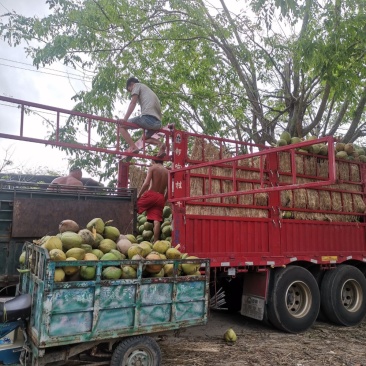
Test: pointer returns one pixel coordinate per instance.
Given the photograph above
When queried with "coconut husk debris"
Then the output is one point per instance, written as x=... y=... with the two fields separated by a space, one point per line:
x=337 y=200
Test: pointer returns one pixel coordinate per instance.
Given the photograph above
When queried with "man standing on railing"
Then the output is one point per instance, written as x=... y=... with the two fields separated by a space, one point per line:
x=153 y=195
x=150 y=118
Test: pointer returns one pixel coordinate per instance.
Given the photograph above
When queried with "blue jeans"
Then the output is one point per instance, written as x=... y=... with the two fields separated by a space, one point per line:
x=150 y=123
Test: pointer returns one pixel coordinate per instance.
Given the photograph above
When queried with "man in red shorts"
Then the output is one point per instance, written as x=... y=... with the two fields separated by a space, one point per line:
x=153 y=195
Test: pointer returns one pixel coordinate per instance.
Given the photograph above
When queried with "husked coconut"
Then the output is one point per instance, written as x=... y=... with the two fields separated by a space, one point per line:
x=68 y=225
x=123 y=245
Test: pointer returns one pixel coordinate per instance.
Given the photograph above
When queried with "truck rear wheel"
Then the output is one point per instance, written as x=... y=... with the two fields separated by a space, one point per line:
x=139 y=350
x=343 y=295
x=294 y=300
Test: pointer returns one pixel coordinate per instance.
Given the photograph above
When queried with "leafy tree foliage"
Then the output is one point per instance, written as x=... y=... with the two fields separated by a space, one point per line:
x=246 y=73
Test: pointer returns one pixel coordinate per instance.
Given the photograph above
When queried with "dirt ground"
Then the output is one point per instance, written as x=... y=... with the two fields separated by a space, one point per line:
x=258 y=344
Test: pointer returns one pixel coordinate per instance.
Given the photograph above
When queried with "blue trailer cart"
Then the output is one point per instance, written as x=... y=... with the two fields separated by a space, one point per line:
x=68 y=318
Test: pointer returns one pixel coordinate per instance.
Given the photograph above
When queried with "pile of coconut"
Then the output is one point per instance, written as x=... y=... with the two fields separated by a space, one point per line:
x=100 y=241
x=347 y=151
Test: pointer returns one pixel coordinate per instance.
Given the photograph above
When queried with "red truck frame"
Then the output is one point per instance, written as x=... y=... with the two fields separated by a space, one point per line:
x=289 y=259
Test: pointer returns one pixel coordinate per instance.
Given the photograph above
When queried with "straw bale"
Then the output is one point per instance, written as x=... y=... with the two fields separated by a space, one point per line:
x=299 y=161
x=245 y=199
x=347 y=202
x=342 y=170
x=260 y=199
x=336 y=201
x=203 y=151
x=359 y=203
x=355 y=173
x=300 y=198
x=313 y=199
x=137 y=177
x=246 y=212
x=323 y=168
x=310 y=165
x=227 y=187
x=247 y=174
x=286 y=199
x=284 y=162
x=325 y=201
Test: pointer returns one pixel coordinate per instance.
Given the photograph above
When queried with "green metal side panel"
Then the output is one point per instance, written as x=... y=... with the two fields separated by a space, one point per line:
x=81 y=311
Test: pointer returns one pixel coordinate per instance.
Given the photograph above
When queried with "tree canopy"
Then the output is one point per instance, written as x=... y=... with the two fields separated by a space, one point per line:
x=244 y=70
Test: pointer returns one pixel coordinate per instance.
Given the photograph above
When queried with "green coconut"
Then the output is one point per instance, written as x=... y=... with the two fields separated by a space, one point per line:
x=133 y=250
x=128 y=272
x=145 y=249
x=167 y=211
x=173 y=253
x=106 y=245
x=87 y=272
x=70 y=240
x=148 y=225
x=281 y=142
x=131 y=238
x=161 y=246
x=118 y=254
x=285 y=136
x=111 y=232
x=52 y=242
x=88 y=248
x=98 y=253
x=341 y=155
x=88 y=237
x=190 y=268
x=77 y=253
x=111 y=273
x=59 y=275
x=96 y=224
x=295 y=140
x=109 y=257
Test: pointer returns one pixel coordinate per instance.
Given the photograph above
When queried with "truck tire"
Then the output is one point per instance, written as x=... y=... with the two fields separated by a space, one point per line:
x=294 y=299
x=343 y=295
x=139 y=350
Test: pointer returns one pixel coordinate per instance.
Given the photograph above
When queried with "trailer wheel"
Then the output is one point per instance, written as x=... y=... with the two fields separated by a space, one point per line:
x=343 y=295
x=140 y=350
x=294 y=300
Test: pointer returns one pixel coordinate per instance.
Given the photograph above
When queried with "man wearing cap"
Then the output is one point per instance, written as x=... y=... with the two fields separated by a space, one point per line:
x=73 y=179
x=150 y=118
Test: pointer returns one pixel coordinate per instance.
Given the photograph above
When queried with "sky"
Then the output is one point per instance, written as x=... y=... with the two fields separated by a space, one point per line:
x=54 y=85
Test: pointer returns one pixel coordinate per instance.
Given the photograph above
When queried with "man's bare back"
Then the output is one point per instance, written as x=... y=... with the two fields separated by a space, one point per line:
x=159 y=179
x=73 y=179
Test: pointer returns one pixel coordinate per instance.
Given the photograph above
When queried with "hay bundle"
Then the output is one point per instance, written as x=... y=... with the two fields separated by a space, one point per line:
x=310 y=165
x=300 y=198
x=245 y=199
x=336 y=199
x=246 y=212
x=347 y=202
x=359 y=203
x=137 y=176
x=325 y=200
x=323 y=168
x=299 y=161
x=284 y=162
x=342 y=170
x=355 y=175
x=313 y=199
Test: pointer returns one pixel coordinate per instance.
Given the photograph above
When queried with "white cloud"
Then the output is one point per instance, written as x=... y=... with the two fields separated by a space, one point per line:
x=19 y=79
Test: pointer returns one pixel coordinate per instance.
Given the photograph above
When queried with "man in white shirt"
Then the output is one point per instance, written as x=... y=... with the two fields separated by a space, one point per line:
x=150 y=118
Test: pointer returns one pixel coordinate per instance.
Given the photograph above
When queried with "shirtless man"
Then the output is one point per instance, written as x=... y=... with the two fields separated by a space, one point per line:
x=150 y=118
x=153 y=195
x=73 y=179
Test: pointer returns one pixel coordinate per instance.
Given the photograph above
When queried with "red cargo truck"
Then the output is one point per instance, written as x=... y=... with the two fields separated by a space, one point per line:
x=284 y=228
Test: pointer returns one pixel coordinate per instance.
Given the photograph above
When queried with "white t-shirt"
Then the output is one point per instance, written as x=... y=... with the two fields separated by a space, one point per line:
x=148 y=100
